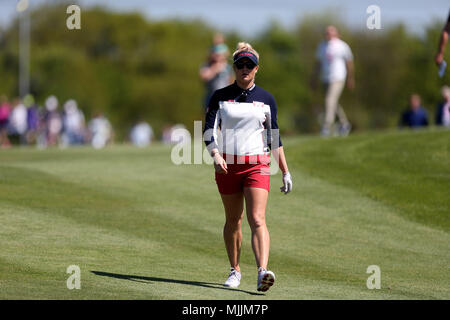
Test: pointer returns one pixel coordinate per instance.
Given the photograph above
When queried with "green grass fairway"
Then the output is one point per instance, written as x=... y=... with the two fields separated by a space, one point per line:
x=140 y=227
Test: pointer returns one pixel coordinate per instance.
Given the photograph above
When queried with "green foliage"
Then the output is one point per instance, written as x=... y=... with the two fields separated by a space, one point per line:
x=132 y=68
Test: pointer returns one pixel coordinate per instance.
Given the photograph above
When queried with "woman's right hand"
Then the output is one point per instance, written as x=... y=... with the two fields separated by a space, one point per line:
x=220 y=164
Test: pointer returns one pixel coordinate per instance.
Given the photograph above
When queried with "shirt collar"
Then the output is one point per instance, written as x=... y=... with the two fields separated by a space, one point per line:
x=247 y=90
x=242 y=97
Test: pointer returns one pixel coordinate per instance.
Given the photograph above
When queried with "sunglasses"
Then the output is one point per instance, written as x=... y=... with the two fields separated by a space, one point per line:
x=240 y=65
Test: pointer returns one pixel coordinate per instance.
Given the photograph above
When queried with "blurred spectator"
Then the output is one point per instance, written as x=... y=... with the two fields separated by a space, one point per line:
x=166 y=133
x=443 y=108
x=53 y=121
x=18 y=121
x=73 y=124
x=175 y=134
x=100 y=131
x=335 y=66
x=5 y=110
x=439 y=58
x=218 y=39
x=41 y=134
x=416 y=116
x=141 y=134
x=216 y=73
x=32 y=119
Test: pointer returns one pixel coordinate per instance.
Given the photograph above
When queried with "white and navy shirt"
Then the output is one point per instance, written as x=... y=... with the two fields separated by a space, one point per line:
x=242 y=122
x=333 y=55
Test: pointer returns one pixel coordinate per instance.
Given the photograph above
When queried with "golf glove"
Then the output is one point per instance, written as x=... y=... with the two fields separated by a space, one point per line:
x=287 y=183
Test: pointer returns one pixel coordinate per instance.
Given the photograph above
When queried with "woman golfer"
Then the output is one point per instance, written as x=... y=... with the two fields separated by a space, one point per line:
x=247 y=118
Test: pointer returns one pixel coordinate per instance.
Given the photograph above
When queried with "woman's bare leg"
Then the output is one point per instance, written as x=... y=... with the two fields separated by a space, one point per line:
x=256 y=201
x=232 y=233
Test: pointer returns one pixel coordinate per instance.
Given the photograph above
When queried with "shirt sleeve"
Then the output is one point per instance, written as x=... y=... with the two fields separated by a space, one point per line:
x=348 y=55
x=273 y=133
x=447 y=25
x=319 y=51
x=212 y=123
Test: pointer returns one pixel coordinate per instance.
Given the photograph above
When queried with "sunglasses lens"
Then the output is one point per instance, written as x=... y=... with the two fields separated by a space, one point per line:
x=249 y=65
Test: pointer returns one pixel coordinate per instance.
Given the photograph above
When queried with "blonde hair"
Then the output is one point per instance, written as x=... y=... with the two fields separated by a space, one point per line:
x=245 y=46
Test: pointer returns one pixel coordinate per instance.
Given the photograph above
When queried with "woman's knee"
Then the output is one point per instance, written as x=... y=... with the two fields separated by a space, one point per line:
x=256 y=220
x=234 y=221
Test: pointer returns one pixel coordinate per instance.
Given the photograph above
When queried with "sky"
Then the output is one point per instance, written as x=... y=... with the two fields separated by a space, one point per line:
x=252 y=16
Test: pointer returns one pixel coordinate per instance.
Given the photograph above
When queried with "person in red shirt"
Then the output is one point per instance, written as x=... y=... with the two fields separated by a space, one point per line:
x=5 y=110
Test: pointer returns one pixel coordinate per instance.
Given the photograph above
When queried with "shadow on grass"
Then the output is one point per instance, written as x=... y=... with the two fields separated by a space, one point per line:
x=185 y=282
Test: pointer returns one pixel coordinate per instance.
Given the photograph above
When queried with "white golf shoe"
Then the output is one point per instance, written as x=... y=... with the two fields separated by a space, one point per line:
x=234 y=279
x=266 y=279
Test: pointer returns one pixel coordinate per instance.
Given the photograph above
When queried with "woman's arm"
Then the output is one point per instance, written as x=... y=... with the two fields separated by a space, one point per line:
x=208 y=72
x=274 y=143
x=442 y=42
x=280 y=158
x=210 y=135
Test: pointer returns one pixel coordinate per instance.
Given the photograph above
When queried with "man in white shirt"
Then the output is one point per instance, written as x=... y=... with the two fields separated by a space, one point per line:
x=335 y=65
x=18 y=120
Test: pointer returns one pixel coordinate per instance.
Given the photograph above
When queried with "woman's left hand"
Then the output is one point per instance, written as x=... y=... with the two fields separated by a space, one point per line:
x=287 y=183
